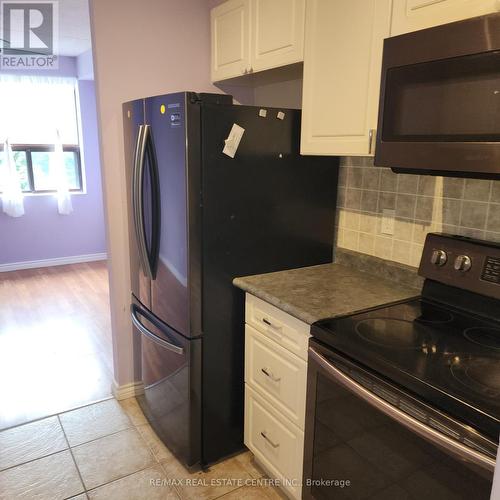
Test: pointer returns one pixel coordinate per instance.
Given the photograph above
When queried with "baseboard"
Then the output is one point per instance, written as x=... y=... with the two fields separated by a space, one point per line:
x=127 y=391
x=75 y=259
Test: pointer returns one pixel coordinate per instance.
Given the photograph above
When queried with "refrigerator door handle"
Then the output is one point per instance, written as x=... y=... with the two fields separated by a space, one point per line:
x=153 y=254
x=137 y=200
x=171 y=346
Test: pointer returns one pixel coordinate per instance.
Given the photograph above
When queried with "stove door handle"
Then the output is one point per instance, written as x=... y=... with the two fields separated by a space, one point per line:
x=444 y=442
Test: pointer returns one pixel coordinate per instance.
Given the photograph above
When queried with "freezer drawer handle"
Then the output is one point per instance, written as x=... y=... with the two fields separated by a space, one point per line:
x=444 y=442
x=264 y=435
x=157 y=340
x=267 y=373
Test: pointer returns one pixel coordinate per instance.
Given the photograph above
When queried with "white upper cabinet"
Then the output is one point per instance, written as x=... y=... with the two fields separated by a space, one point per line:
x=412 y=15
x=342 y=67
x=277 y=33
x=254 y=35
x=230 y=26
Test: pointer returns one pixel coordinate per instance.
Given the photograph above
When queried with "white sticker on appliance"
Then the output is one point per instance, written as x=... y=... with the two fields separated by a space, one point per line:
x=263 y=113
x=233 y=140
x=280 y=115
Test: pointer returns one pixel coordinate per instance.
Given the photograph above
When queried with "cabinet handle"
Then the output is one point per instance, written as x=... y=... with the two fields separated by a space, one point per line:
x=274 y=445
x=268 y=323
x=372 y=136
x=270 y=375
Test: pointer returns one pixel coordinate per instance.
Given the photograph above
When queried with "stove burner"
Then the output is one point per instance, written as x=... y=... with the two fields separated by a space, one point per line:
x=436 y=316
x=484 y=336
x=480 y=374
x=395 y=333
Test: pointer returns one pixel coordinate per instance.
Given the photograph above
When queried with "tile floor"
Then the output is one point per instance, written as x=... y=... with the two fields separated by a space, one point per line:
x=108 y=451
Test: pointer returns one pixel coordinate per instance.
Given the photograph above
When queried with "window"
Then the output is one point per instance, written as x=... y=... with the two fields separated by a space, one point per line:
x=32 y=163
x=32 y=110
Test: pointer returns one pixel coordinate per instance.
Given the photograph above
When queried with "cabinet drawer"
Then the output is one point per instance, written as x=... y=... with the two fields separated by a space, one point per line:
x=277 y=374
x=287 y=331
x=278 y=444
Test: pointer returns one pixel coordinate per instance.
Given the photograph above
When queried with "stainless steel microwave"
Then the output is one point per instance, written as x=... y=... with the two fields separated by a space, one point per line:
x=439 y=107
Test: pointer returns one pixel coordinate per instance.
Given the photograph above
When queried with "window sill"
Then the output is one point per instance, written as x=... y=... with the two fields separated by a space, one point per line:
x=29 y=195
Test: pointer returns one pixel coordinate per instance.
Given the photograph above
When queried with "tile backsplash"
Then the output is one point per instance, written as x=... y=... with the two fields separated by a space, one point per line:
x=422 y=204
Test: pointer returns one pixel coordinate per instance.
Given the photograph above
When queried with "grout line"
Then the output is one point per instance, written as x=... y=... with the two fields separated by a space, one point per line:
x=460 y=213
x=118 y=479
x=423 y=195
x=132 y=426
x=34 y=459
x=72 y=456
x=488 y=212
x=146 y=443
x=96 y=439
x=69 y=447
x=97 y=401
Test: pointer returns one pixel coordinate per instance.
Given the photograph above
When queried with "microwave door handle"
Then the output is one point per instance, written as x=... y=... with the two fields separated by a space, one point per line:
x=137 y=200
x=147 y=333
x=454 y=447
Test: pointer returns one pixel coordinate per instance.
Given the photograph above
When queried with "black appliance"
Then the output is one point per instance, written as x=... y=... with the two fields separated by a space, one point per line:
x=403 y=400
x=439 y=100
x=200 y=218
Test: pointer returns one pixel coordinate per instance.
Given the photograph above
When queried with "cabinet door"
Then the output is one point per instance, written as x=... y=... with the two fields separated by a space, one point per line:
x=342 y=65
x=277 y=33
x=230 y=29
x=412 y=15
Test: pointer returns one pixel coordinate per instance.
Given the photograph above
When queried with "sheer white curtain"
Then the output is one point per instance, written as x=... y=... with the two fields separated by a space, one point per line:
x=41 y=110
x=12 y=194
x=60 y=178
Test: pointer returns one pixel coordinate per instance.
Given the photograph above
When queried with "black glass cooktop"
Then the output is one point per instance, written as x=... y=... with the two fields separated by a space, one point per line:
x=448 y=357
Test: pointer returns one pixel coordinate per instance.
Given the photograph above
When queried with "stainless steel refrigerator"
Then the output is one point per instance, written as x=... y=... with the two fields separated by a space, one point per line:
x=199 y=218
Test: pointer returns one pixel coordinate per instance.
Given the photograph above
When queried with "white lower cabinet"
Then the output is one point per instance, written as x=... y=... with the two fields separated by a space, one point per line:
x=276 y=444
x=275 y=391
x=277 y=374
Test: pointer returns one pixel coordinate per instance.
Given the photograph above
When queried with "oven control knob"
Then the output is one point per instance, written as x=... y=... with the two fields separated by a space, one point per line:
x=439 y=258
x=463 y=263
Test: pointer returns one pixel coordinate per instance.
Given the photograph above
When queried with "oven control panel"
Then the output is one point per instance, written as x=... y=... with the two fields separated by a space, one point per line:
x=491 y=270
x=462 y=262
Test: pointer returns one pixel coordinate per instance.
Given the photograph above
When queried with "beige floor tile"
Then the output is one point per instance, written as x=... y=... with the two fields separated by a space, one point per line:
x=160 y=451
x=94 y=421
x=112 y=457
x=255 y=493
x=147 y=484
x=247 y=460
x=50 y=478
x=83 y=496
x=28 y=442
x=212 y=483
x=133 y=410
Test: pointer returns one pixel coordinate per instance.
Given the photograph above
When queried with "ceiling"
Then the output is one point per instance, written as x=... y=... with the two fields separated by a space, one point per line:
x=74 y=27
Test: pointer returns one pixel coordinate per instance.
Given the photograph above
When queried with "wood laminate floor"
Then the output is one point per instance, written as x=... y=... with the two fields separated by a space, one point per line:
x=55 y=340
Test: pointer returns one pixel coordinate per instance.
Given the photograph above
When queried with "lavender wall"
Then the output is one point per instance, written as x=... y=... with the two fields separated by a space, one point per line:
x=44 y=234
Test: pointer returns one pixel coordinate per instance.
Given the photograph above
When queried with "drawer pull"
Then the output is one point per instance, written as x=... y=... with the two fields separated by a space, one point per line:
x=270 y=375
x=274 y=445
x=268 y=323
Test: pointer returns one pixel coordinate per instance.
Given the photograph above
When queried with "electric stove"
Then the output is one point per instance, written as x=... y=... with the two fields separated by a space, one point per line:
x=430 y=363
x=445 y=345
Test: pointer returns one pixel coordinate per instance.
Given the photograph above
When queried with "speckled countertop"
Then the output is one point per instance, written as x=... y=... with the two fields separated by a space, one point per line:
x=325 y=291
